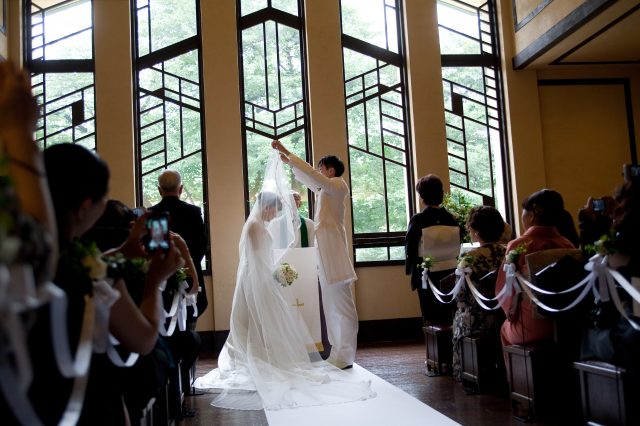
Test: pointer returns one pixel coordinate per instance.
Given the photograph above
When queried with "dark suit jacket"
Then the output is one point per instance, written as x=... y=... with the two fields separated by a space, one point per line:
x=186 y=220
x=430 y=216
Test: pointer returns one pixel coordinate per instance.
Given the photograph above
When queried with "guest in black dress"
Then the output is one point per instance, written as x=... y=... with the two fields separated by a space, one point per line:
x=431 y=193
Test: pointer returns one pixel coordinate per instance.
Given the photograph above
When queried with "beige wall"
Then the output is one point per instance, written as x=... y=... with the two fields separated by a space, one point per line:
x=544 y=125
x=586 y=131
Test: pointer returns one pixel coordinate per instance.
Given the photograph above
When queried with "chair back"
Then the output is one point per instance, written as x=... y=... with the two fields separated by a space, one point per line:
x=442 y=243
x=539 y=260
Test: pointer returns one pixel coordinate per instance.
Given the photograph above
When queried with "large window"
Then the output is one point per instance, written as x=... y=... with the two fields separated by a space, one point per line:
x=59 y=55
x=377 y=125
x=273 y=85
x=169 y=109
x=169 y=92
x=472 y=100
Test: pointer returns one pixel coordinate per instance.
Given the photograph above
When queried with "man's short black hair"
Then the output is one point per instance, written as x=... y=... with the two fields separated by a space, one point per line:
x=331 y=161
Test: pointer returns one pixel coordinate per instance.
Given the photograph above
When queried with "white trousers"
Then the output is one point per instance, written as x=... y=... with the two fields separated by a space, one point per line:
x=342 y=322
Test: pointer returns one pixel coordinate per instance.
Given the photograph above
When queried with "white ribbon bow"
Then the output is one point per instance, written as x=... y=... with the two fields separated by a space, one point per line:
x=104 y=296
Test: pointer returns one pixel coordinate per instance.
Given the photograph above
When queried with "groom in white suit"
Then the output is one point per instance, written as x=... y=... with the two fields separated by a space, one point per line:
x=334 y=258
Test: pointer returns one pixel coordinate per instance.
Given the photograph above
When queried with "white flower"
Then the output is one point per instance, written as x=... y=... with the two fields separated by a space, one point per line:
x=285 y=274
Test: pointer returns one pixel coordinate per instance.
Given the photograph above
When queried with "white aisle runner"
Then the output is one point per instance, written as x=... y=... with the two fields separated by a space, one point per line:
x=391 y=407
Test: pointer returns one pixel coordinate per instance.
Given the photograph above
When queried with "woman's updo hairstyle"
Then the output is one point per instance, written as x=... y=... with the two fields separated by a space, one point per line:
x=430 y=189
x=546 y=206
x=487 y=222
x=74 y=174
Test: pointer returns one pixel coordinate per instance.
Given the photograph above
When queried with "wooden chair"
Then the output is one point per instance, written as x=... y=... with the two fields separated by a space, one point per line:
x=543 y=258
x=530 y=370
x=481 y=363
x=529 y=367
x=603 y=390
x=439 y=349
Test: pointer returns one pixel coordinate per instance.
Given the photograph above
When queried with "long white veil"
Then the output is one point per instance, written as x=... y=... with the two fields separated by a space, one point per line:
x=269 y=359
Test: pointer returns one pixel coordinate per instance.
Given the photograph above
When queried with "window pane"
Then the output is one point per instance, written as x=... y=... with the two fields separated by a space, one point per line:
x=376 y=110
x=376 y=254
x=289 y=6
x=250 y=6
x=471 y=100
x=62 y=30
x=164 y=22
x=367 y=186
x=459 y=32
x=274 y=104
x=371 y=20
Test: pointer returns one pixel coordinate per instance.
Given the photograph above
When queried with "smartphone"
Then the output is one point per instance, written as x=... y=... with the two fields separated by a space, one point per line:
x=157 y=237
x=598 y=205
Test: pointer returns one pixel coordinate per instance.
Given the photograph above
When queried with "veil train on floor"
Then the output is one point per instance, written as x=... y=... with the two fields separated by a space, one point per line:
x=269 y=360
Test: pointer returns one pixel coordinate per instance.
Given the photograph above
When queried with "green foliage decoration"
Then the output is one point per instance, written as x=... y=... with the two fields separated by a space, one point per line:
x=456 y=203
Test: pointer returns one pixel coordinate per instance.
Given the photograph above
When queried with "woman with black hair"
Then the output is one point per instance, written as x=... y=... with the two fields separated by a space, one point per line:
x=540 y=213
x=431 y=193
x=79 y=198
x=486 y=226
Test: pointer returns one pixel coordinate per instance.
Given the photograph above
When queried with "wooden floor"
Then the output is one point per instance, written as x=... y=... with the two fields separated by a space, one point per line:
x=401 y=364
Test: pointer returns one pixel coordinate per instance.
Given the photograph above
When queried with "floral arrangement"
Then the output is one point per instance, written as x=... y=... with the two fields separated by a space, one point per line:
x=606 y=244
x=466 y=261
x=173 y=283
x=81 y=262
x=119 y=266
x=427 y=262
x=514 y=255
x=285 y=274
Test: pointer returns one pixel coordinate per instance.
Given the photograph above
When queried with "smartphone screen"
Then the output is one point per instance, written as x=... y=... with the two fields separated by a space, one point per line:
x=598 y=205
x=158 y=232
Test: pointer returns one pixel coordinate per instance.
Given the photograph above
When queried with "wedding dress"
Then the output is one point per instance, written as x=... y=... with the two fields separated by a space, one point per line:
x=269 y=360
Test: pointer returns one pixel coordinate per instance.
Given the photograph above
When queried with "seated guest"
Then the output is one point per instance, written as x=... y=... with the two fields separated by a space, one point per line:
x=148 y=376
x=540 y=213
x=79 y=198
x=431 y=193
x=28 y=248
x=564 y=221
x=595 y=222
x=485 y=225
x=611 y=338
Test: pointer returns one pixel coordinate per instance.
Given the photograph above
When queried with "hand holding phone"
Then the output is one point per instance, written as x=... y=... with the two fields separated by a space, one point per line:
x=157 y=237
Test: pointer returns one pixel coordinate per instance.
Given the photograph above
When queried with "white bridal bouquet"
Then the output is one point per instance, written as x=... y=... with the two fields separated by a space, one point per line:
x=285 y=274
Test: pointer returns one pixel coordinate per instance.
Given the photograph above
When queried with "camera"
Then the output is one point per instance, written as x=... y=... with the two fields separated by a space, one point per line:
x=598 y=205
x=630 y=171
x=157 y=237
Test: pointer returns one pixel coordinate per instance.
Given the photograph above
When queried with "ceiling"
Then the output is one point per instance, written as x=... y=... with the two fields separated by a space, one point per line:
x=608 y=36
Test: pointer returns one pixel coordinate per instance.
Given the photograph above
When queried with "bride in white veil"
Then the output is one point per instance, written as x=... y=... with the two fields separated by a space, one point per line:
x=269 y=359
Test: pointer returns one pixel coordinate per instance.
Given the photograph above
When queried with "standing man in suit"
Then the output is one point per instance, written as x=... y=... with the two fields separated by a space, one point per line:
x=186 y=220
x=335 y=269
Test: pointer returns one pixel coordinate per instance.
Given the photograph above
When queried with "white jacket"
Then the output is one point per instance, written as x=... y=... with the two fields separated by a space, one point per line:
x=331 y=239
